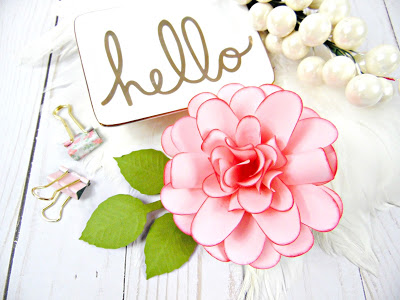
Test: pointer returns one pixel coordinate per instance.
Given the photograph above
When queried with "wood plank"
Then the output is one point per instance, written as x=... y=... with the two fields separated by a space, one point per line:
x=21 y=91
x=393 y=10
x=50 y=261
x=203 y=277
x=383 y=28
x=386 y=229
x=380 y=28
x=326 y=277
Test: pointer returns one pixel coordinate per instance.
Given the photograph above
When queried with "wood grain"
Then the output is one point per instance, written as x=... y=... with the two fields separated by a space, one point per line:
x=20 y=93
x=327 y=277
x=386 y=230
x=393 y=9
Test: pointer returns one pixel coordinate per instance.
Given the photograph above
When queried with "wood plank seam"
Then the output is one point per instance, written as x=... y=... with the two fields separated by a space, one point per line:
x=27 y=179
x=362 y=283
x=123 y=286
x=391 y=24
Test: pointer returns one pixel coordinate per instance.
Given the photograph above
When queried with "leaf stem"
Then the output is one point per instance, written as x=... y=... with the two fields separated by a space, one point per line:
x=154 y=206
x=339 y=51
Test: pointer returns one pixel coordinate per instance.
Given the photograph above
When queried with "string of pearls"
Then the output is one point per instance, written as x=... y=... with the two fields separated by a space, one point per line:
x=296 y=26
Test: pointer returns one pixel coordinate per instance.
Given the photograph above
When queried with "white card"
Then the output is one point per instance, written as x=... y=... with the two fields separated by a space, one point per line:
x=152 y=58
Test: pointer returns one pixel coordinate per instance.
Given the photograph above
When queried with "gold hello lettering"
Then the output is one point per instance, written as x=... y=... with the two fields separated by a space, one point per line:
x=156 y=77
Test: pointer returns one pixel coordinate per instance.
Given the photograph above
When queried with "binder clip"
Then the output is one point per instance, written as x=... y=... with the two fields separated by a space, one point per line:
x=66 y=182
x=81 y=144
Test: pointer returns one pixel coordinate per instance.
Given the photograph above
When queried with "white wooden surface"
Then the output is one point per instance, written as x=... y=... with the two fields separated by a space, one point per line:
x=39 y=260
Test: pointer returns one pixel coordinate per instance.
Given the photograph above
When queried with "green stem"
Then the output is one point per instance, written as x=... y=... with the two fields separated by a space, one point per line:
x=339 y=51
x=154 y=206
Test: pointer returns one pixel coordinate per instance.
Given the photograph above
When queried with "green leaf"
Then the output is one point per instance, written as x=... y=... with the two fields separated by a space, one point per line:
x=117 y=222
x=167 y=248
x=144 y=170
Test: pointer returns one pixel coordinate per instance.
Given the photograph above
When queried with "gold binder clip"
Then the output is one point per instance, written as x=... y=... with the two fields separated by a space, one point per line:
x=81 y=144
x=66 y=182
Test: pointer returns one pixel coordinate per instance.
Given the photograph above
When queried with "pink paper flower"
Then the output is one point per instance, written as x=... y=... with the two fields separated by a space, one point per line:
x=247 y=173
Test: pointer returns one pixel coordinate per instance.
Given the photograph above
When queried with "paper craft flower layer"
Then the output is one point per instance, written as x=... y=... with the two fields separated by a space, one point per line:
x=247 y=173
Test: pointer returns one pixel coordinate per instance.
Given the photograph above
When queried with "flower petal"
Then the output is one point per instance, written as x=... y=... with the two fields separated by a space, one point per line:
x=269 y=152
x=269 y=177
x=228 y=90
x=270 y=88
x=182 y=201
x=310 y=134
x=234 y=203
x=246 y=100
x=167 y=172
x=306 y=167
x=188 y=170
x=198 y=100
x=216 y=114
x=212 y=187
x=254 y=201
x=308 y=113
x=186 y=136
x=282 y=198
x=213 y=140
x=282 y=228
x=214 y=222
x=317 y=208
x=218 y=252
x=237 y=173
x=332 y=158
x=301 y=245
x=280 y=159
x=278 y=115
x=335 y=197
x=184 y=223
x=167 y=144
x=248 y=132
x=245 y=243
x=269 y=257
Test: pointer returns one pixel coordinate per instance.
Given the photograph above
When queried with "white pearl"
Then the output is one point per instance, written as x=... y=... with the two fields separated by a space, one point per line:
x=263 y=1
x=243 y=2
x=298 y=5
x=281 y=21
x=338 y=71
x=364 y=90
x=387 y=88
x=310 y=70
x=258 y=15
x=315 y=4
x=315 y=29
x=382 y=60
x=335 y=9
x=350 y=33
x=293 y=47
x=273 y=43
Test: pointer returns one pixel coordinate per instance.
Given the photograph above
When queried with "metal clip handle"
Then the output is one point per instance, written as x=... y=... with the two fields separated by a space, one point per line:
x=55 y=114
x=51 y=204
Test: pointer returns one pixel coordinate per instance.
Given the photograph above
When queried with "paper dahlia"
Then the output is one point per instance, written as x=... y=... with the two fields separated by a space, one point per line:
x=247 y=172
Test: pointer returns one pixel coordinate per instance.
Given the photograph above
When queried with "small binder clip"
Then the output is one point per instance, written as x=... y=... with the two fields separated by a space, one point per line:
x=66 y=182
x=83 y=143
